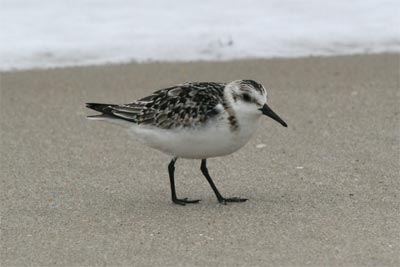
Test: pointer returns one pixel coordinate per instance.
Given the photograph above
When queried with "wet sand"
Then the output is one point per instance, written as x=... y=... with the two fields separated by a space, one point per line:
x=324 y=191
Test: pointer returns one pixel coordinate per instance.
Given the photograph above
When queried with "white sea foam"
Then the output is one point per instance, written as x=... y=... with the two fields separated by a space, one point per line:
x=45 y=33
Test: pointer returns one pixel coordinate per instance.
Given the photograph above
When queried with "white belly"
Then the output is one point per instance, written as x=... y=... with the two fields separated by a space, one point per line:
x=211 y=141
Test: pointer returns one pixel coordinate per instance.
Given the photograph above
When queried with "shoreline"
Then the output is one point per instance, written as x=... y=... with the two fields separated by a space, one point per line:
x=232 y=60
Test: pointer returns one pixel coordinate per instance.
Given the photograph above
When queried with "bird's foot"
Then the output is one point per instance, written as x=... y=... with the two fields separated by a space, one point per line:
x=185 y=201
x=231 y=199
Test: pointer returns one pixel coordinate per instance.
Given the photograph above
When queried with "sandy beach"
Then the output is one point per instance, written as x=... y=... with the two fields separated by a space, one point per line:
x=323 y=192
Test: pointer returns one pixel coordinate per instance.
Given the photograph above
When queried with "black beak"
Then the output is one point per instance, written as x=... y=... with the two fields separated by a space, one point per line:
x=268 y=111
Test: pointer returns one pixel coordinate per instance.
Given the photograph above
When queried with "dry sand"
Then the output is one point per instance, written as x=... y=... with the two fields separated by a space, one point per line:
x=324 y=191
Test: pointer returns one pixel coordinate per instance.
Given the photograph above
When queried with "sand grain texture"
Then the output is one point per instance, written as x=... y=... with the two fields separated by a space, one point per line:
x=324 y=191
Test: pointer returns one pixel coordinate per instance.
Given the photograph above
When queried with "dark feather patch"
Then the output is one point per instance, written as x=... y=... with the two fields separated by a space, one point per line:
x=184 y=105
x=253 y=84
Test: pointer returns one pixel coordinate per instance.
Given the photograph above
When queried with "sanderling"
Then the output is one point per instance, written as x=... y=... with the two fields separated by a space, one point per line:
x=197 y=120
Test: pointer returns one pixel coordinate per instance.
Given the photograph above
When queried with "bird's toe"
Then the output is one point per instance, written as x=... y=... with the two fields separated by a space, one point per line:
x=232 y=199
x=185 y=201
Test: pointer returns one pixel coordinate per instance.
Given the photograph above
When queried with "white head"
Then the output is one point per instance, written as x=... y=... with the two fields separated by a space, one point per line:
x=249 y=98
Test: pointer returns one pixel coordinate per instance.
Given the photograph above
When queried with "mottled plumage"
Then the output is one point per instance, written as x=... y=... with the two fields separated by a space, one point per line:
x=183 y=105
x=195 y=120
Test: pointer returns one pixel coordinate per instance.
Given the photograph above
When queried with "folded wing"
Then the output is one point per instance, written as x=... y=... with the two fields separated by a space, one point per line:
x=185 y=105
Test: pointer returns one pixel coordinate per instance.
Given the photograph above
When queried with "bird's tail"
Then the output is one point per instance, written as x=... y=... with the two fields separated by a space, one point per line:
x=103 y=108
x=106 y=114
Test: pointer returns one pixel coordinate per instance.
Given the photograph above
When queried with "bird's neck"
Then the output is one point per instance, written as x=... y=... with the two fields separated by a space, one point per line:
x=247 y=120
x=238 y=120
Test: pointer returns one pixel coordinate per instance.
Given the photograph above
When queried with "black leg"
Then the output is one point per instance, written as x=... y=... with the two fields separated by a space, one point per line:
x=171 y=170
x=221 y=199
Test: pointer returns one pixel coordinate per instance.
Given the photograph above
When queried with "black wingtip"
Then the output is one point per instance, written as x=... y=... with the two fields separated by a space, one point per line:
x=99 y=107
x=91 y=105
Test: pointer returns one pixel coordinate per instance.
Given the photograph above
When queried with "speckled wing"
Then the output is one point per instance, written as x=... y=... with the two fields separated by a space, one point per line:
x=184 y=105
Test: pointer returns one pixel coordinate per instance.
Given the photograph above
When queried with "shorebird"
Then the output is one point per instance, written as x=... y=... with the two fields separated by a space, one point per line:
x=196 y=120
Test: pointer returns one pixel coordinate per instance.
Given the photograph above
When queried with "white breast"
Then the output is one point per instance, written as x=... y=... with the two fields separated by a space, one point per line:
x=213 y=140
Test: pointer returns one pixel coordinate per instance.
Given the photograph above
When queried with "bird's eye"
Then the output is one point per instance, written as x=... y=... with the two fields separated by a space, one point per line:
x=246 y=97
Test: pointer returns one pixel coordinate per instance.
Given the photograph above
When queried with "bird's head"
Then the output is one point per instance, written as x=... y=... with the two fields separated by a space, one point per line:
x=250 y=98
